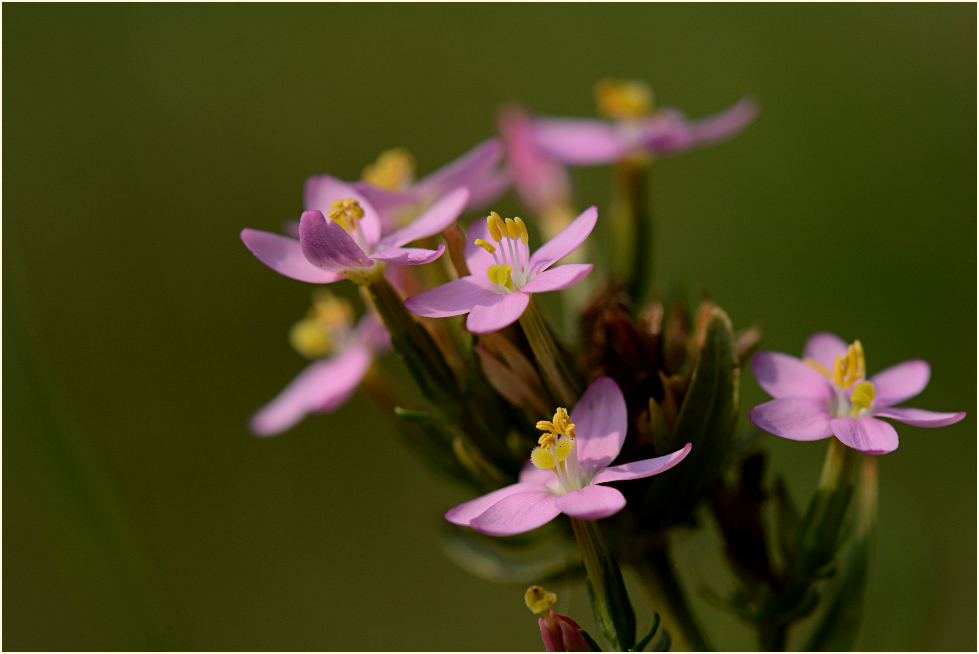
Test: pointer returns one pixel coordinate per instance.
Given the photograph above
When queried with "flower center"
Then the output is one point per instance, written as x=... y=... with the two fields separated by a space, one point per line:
x=558 y=451
x=394 y=170
x=346 y=213
x=325 y=328
x=511 y=273
x=848 y=372
x=623 y=99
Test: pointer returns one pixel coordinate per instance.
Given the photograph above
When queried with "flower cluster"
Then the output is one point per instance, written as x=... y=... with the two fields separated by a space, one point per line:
x=645 y=393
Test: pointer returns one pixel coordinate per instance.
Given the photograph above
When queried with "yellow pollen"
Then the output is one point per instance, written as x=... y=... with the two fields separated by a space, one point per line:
x=546 y=440
x=494 y=229
x=564 y=447
x=862 y=397
x=543 y=459
x=623 y=99
x=499 y=274
x=547 y=425
x=539 y=599
x=489 y=247
x=524 y=236
x=849 y=368
x=394 y=170
x=346 y=213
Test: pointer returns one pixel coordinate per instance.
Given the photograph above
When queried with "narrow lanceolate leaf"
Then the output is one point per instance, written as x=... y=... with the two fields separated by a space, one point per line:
x=707 y=420
x=839 y=624
x=641 y=645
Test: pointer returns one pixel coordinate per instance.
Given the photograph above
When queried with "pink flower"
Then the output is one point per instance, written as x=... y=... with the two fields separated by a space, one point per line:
x=826 y=394
x=477 y=170
x=541 y=182
x=589 y=142
x=325 y=385
x=503 y=276
x=340 y=234
x=565 y=473
x=562 y=634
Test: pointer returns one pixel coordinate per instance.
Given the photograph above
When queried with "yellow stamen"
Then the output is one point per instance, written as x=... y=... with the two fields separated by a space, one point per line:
x=862 y=397
x=849 y=368
x=547 y=425
x=494 y=229
x=501 y=227
x=499 y=274
x=512 y=230
x=623 y=99
x=489 y=247
x=539 y=599
x=543 y=459
x=564 y=446
x=818 y=366
x=346 y=213
x=394 y=170
x=313 y=336
x=309 y=339
x=524 y=236
x=546 y=440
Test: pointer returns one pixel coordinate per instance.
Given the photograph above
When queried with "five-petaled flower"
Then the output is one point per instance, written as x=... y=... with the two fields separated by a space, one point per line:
x=389 y=183
x=566 y=471
x=340 y=235
x=504 y=275
x=635 y=128
x=826 y=394
x=344 y=356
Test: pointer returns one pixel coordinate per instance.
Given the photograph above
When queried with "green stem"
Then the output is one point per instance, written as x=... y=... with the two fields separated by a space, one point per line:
x=613 y=610
x=633 y=224
x=658 y=577
x=558 y=374
x=772 y=637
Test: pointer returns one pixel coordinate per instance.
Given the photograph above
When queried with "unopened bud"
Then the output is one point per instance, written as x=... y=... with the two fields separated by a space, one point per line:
x=562 y=634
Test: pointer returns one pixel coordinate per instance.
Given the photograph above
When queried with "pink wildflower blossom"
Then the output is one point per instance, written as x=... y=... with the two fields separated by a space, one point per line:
x=504 y=275
x=341 y=234
x=565 y=473
x=326 y=384
x=826 y=394
x=589 y=142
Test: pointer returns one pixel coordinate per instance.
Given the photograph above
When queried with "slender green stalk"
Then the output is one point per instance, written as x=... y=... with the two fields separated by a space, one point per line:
x=667 y=597
x=558 y=374
x=633 y=225
x=613 y=610
x=772 y=637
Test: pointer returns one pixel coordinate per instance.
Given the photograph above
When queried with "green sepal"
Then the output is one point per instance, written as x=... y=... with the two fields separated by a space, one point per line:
x=610 y=601
x=641 y=645
x=528 y=558
x=591 y=641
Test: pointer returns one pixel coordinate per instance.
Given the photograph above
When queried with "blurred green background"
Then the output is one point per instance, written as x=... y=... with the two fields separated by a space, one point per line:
x=140 y=334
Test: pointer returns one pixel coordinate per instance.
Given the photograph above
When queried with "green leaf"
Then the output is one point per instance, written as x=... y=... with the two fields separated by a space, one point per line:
x=591 y=641
x=839 y=624
x=788 y=519
x=663 y=642
x=641 y=645
x=707 y=420
x=525 y=559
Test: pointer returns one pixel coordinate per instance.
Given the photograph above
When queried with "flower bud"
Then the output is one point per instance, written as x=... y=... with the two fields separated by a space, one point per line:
x=562 y=634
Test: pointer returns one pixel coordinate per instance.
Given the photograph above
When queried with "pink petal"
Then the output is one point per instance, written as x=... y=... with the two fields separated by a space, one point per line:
x=409 y=256
x=900 y=382
x=517 y=513
x=486 y=190
x=592 y=502
x=579 y=142
x=371 y=333
x=442 y=214
x=601 y=419
x=540 y=181
x=823 y=348
x=531 y=474
x=321 y=191
x=468 y=170
x=497 y=312
x=327 y=245
x=478 y=259
x=667 y=132
x=452 y=299
x=285 y=256
x=781 y=375
x=919 y=417
x=322 y=386
x=726 y=124
x=867 y=435
x=565 y=242
x=640 y=469
x=796 y=418
x=557 y=278
x=465 y=512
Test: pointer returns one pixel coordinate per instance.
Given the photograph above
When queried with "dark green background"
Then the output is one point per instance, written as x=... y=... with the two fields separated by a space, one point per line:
x=140 y=334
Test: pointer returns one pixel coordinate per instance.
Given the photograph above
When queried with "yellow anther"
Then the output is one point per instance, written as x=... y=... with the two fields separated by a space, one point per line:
x=501 y=227
x=512 y=230
x=623 y=99
x=499 y=274
x=330 y=311
x=546 y=440
x=524 y=236
x=849 y=368
x=818 y=366
x=394 y=170
x=543 y=459
x=309 y=339
x=547 y=425
x=862 y=397
x=489 y=247
x=494 y=229
x=539 y=599
x=562 y=421
x=564 y=446
x=346 y=213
